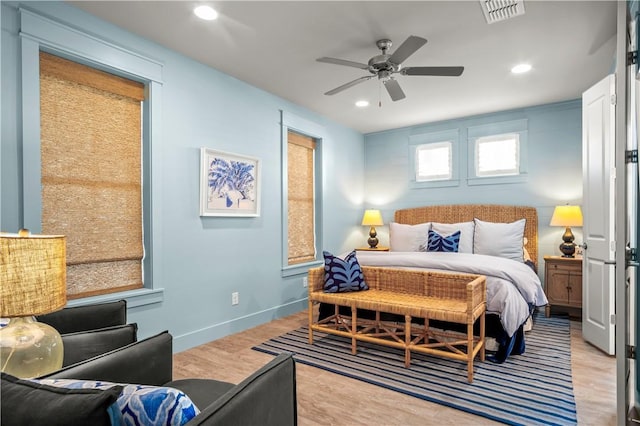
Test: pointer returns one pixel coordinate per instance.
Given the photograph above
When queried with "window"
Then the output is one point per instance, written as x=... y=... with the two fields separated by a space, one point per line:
x=497 y=155
x=41 y=34
x=91 y=173
x=301 y=247
x=301 y=148
x=433 y=159
x=433 y=162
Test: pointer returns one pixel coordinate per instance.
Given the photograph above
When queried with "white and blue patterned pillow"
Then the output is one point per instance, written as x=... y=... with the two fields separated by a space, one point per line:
x=437 y=242
x=139 y=404
x=341 y=276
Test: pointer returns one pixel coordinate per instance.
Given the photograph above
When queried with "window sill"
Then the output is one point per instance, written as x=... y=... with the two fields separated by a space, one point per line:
x=497 y=180
x=134 y=298
x=303 y=268
x=434 y=184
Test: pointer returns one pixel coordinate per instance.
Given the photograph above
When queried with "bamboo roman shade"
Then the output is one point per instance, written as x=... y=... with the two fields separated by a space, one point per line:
x=91 y=142
x=301 y=229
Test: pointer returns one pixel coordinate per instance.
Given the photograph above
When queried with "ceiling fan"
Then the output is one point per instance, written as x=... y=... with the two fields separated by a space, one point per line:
x=385 y=65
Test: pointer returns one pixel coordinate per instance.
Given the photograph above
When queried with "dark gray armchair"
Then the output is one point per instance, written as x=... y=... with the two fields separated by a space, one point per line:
x=267 y=397
x=91 y=330
x=99 y=345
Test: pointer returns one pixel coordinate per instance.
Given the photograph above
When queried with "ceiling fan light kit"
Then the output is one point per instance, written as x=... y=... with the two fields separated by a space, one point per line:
x=385 y=65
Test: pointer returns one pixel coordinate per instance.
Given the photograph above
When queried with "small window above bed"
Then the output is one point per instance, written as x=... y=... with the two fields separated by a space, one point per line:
x=434 y=159
x=433 y=162
x=497 y=153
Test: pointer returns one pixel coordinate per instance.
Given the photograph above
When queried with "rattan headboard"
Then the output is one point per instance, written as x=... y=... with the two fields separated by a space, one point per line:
x=465 y=212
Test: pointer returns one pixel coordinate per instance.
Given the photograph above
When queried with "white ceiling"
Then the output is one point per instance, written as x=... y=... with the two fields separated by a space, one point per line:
x=274 y=46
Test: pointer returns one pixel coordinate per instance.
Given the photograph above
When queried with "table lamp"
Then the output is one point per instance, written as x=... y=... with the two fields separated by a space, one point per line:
x=33 y=282
x=567 y=216
x=372 y=218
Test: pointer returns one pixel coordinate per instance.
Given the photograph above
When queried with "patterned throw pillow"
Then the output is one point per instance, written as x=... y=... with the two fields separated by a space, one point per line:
x=342 y=276
x=437 y=242
x=139 y=404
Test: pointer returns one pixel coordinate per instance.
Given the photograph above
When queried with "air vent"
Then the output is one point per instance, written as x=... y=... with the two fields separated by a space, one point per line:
x=500 y=10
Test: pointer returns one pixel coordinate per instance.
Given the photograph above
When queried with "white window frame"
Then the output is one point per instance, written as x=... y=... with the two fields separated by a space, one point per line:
x=435 y=139
x=425 y=148
x=492 y=131
x=515 y=170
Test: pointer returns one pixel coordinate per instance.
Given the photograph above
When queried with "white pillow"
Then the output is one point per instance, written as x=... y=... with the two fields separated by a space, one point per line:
x=500 y=239
x=408 y=237
x=466 y=233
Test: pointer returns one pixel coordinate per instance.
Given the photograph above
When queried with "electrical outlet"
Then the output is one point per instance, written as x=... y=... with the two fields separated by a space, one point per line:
x=235 y=298
x=305 y=282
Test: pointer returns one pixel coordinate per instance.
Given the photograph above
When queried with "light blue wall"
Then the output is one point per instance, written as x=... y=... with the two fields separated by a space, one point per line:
x=554 y=167
x=201 y=261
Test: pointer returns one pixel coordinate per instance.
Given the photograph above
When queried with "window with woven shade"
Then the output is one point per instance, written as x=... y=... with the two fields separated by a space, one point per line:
x=91 y=173
x=301 y=200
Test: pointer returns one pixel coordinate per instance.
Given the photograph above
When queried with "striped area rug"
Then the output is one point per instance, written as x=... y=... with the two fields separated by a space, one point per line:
x=534 y=388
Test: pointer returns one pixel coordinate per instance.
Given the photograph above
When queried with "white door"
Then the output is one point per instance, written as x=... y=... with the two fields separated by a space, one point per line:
x=598 y=171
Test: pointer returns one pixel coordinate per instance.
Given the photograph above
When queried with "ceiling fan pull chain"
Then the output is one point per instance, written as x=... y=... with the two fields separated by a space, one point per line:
x=379 y=94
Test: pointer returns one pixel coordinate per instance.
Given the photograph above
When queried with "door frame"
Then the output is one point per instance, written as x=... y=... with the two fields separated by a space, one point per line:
x=622 y=364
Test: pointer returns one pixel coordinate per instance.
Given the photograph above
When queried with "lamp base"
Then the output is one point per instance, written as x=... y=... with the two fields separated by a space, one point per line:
x=29 y=348
x=373 y=241
x=568 y=247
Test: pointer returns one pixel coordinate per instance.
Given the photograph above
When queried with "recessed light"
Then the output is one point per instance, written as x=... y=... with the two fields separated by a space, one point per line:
x=362 y=104
x=519 y=69
x=206 y=12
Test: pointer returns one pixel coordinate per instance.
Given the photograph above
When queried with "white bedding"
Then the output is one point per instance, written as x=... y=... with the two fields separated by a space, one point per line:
x=511 y=285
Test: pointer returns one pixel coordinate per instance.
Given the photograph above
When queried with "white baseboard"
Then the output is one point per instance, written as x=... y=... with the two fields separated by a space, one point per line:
x=217 y=331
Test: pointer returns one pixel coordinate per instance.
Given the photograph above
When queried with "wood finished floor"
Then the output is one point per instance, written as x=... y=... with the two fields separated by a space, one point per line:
x=330 y=399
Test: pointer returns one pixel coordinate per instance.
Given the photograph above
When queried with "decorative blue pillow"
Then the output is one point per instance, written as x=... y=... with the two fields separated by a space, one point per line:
x=437 y=242
x=139 y=404
x=341 y=276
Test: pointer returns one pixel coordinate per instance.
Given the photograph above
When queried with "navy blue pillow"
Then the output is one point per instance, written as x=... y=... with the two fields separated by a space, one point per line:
x=342 y=276
x=437 y=242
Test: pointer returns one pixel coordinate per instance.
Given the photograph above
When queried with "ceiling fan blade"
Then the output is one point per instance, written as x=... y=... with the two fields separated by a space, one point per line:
x=443 y=71
x=349 y=84
x=394 y=89
x=406 y=49
x=337 y=61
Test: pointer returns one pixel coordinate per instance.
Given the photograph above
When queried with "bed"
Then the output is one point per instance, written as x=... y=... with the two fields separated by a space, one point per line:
x=498 y=241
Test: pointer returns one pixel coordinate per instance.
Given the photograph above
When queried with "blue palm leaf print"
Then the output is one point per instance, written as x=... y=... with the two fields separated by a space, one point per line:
x=437 y=242
x=233 y=180
x=343 y=275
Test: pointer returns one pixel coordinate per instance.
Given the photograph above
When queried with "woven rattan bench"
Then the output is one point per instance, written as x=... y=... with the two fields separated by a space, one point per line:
x=429 y=295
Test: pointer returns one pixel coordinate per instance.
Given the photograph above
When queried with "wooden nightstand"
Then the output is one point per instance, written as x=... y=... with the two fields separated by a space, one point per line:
x=379 y=248
x=563 y=282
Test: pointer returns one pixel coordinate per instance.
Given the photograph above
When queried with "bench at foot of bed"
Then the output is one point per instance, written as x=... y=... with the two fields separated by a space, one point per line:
x=451 y=297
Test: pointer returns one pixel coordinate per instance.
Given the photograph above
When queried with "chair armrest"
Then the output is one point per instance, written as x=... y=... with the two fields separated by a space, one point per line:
x=87 y=317
x=88 y=344
x=266 y=398
x=147 y=362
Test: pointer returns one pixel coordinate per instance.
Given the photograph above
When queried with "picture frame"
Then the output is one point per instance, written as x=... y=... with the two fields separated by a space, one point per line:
x=229 y=184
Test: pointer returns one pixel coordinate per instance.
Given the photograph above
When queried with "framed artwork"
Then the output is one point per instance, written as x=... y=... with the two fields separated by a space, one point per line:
x=229 y=184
